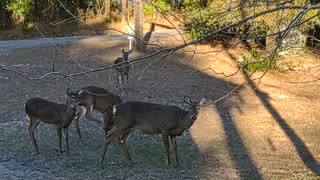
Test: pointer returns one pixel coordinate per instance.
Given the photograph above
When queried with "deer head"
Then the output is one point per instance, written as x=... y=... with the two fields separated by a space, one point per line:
x=194 y=107
x=125 y=54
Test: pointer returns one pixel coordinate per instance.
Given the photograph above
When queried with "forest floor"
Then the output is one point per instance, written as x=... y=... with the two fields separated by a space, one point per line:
x=267 y=129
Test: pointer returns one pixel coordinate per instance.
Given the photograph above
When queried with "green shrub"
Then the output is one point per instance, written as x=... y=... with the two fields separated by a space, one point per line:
x=255 y=62
x=22 y=12
x=21 y=9
x=161 y=5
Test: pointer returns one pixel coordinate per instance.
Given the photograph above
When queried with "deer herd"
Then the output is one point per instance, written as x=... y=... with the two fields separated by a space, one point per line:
x=119 y=118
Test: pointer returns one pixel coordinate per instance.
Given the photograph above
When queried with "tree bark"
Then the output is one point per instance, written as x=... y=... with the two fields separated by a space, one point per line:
x=138 y=24
x=107 y=10
x=5 y=16
x=36 y=10
x=124 y=5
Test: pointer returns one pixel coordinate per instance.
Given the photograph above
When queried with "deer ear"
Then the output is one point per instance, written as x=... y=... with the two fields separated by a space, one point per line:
x=69 y=92
x=202 y=101
x=123 y=51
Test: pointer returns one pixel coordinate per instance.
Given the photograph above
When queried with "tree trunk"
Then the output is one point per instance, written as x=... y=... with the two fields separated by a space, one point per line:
x=5 y=16
x=36 y=10
x=124 y=5
x=138 y=24
x=2 y=15
x=107 y=10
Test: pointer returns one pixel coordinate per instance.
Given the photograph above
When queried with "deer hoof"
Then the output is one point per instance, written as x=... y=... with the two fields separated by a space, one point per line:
x=34 y=153
x=101 y=164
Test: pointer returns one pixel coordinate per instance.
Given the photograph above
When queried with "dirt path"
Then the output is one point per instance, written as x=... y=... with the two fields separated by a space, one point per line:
x=58 y=41
x=265 y=133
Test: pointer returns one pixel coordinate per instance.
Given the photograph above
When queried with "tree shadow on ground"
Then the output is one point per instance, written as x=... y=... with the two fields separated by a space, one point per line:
x=301 y=148
x=161 y=83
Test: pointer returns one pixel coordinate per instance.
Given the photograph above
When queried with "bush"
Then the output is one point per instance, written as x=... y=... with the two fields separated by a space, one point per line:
x=208 y=15
x=255 y=62
x=21 y=10
x=156 y=5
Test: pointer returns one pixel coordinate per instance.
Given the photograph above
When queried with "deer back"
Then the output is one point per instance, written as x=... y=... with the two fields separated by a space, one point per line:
x=148 y=117
x=101 y=99
x=87 y=95
x=153 y=118
x=49 y=112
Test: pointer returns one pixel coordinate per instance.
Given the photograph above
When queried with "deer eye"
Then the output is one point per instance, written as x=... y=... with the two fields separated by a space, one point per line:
x=194 y=117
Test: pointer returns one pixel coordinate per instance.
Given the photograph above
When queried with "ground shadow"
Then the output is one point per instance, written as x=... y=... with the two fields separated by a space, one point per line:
x=147 y=37
x=302 y=150
x=238 y=151
x=208 y=85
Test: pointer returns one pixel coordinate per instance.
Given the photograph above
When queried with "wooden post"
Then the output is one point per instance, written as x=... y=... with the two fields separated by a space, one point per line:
x=138 y=24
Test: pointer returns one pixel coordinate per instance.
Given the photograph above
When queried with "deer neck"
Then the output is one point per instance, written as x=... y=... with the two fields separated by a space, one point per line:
x=71 y=111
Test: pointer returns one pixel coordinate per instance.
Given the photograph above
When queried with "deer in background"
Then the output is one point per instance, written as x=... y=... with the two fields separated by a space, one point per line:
x=61 y=115
x=122 y=67
x=151 y=119
x=93 y=97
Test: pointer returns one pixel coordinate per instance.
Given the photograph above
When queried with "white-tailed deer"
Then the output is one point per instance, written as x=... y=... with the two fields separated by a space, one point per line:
x=93 y=97
x=61 y=115
x=122 y=68
x=169 y=121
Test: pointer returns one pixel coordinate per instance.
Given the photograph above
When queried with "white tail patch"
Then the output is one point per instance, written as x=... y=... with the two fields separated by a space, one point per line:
x=27 y=117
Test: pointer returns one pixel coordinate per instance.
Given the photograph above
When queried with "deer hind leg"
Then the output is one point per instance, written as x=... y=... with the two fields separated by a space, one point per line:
x=107 y=122
x=114 y=134
x=88 y=115
x=174 y=146
x=33 y=124
x=127 y=76
x=77 y=119
x=59 y=132
x=122 y=83
x=119 y=81
x=127 y=83
x=123 y=141
x=165 y=139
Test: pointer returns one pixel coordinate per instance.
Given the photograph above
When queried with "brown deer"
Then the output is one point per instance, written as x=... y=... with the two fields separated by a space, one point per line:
x=61 y=115
x=93 y=97
x=169 y=121
x=122 y=68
